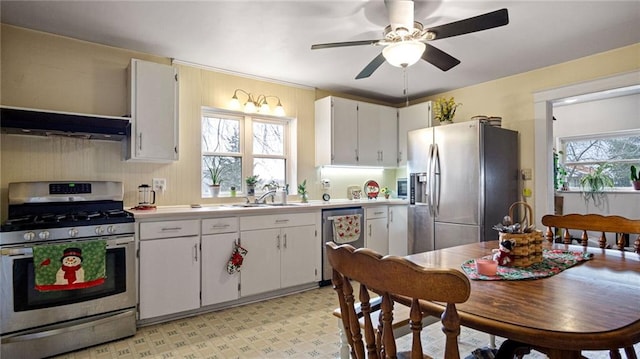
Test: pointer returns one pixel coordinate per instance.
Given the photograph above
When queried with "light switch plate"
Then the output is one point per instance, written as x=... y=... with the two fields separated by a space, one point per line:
x=159 y=184
x=526 y=174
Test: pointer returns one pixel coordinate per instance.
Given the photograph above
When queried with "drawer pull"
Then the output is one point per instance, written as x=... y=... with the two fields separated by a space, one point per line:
x=225 y=225
x=378 y=212
x=171 y=229
x=282 y=220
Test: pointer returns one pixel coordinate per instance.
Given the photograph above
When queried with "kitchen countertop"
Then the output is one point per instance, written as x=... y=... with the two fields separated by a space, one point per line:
x=227 y=209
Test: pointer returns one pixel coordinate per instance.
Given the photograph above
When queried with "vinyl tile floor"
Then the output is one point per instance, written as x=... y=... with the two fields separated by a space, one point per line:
x=296 y=326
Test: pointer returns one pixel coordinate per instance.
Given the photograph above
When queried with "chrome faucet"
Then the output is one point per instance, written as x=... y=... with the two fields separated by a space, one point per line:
x=263 y=198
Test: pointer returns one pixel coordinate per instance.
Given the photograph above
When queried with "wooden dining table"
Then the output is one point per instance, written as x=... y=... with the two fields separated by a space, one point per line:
x=594 y=305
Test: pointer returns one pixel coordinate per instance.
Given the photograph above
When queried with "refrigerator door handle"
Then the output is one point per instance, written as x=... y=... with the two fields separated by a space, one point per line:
x=428 y=197
x=435 y=191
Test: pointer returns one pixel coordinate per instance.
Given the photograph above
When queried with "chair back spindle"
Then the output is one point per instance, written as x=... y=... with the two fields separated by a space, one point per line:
x=393 y=278
x=617 y=225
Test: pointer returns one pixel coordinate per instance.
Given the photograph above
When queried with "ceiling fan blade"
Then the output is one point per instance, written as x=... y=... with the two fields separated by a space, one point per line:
x=400 y=13
x=477 y=23
x=371 y=67
x=344 y=44
x=439 y=58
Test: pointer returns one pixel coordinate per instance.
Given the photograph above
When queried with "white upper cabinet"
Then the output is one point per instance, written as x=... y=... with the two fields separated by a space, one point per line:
x=153 y=96
x=411 y=118
x=355 y=133
x=377 y=135
x=336 y=131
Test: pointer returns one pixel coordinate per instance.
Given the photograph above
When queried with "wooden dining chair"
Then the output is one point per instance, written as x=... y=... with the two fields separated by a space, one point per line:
x=624 y=229
x=585 y=223
x=392 y=277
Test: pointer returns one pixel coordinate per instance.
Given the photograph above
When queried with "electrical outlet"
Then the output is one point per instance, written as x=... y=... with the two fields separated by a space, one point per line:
x=526 y=174
x=159 y=184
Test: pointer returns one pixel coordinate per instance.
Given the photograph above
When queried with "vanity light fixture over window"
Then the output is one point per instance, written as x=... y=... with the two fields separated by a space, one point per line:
x=257 y=103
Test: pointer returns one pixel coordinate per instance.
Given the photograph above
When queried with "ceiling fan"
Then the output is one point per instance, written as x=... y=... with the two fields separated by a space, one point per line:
x=406 y=41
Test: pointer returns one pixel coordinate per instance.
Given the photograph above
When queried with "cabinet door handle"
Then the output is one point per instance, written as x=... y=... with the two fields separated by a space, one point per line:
x=391 y=215
x=369 y=230
x=195 y=252
x=278 y=242
x=285 y=240
x=140 y=141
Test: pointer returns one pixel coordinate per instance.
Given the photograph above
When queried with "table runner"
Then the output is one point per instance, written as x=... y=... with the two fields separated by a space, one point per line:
x=553 y=262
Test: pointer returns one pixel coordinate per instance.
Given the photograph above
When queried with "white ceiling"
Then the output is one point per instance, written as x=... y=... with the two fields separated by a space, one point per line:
x=272 y=39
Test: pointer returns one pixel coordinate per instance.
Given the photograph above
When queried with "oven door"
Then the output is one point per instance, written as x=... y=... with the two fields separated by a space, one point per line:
x=23 y=307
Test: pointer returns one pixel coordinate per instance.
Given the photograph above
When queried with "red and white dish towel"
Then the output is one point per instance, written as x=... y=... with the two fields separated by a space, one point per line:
x=346 y=229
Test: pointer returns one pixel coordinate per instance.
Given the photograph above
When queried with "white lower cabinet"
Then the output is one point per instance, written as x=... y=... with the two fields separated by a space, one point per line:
x=169 y=267
x=376 y=230
x=282 y=251
x=398 y=230
x=183 y=263
x=219 y=237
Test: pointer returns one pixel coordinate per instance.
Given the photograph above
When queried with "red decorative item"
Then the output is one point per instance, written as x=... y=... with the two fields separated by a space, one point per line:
x=372 y=189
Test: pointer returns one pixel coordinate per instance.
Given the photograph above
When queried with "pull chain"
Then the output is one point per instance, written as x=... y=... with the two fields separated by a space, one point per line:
x=406 y=85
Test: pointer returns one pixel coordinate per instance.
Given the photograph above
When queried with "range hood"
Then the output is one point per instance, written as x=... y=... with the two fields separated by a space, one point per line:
x=24 y=121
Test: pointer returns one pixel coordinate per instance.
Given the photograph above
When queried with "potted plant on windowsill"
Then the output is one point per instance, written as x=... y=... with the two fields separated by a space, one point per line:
x=444 y=110
x=635 y=181
x=594 y=183
x=251 y=182
x=215 y=175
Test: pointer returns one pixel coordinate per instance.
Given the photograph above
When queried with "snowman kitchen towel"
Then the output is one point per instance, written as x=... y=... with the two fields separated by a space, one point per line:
x=68 y=266
x=346 y=229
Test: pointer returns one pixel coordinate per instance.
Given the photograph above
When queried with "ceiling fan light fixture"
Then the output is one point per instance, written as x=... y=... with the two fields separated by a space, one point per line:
x=404 y=54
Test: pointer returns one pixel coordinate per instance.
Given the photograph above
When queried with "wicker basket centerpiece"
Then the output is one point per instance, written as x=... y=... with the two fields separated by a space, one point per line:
x=521 y=241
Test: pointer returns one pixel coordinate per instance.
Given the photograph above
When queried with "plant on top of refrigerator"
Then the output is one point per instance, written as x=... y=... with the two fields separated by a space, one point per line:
x=445 y=109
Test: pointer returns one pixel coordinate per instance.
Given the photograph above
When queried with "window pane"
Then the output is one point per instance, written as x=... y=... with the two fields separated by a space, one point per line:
x=229 y=171
x=268 y=138
x=617 y=152
x=603 y=149
x=220 y=135
x=270 y=170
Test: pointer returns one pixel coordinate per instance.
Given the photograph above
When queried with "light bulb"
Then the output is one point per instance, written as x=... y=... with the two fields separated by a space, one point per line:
x=249 y=107
x=234 y=103
x=279 y=111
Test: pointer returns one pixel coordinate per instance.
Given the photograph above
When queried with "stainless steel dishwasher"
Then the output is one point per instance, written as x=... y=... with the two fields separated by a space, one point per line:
x=327 y=236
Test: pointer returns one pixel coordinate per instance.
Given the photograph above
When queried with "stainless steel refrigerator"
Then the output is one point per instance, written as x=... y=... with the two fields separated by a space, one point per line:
x=462 y=179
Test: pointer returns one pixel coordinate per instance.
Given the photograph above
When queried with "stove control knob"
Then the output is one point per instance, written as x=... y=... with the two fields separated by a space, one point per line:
x=29 y=236
x=99 y=230
x=111 y=229
x=43 y=235
x=73 y=232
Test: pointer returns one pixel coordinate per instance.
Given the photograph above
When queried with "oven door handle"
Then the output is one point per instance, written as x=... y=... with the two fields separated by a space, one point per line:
x=26 y=252
x=89 y=322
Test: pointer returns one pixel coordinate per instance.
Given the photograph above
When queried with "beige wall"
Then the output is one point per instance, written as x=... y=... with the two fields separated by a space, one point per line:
x=45 y=71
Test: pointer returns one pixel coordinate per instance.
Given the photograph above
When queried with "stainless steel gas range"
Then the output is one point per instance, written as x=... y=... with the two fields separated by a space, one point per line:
x=91 y=298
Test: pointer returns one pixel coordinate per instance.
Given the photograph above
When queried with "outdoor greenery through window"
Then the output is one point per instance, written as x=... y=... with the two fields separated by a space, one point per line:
x=614 y=153
x=237 y=146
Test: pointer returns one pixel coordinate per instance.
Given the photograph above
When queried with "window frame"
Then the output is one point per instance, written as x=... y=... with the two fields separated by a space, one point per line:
x=246 y=145
x=561 y=143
